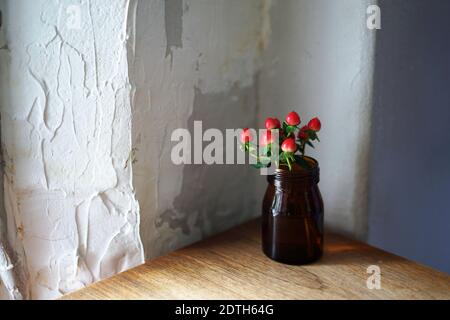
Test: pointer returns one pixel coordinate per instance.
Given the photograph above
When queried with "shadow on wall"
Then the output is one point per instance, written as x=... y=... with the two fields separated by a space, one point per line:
x=192 y=60
x=320 y=64
x=214 y=198
x=410 y=174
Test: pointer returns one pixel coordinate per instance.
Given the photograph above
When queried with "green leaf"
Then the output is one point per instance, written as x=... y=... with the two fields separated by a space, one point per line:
x=264 y=150
x=312 y=134
x=264 y=160
x=251 y=146
x=290 y=130
x=310 y=144
x=259 y=165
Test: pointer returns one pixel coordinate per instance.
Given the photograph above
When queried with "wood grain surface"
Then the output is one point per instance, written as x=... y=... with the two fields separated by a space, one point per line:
x=232 y=266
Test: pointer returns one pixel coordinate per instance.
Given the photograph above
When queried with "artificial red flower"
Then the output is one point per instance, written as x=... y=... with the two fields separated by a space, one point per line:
x=246 y=135
x=303 y=133
x=314 y=124
x=293 y=118
x=289 y=145
x=272 y=123
x=266 y=138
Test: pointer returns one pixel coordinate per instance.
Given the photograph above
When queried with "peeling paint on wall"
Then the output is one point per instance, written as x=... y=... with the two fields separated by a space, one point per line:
x=211 y=198
x=209 y=76
x=7 y=279
x=173 y=24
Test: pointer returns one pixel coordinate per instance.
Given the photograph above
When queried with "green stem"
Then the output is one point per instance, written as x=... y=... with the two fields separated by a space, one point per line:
x=288 y=162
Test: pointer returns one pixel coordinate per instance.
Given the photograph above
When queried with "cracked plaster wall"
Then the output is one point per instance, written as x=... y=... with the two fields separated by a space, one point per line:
x=84 y=105
x=71 y=214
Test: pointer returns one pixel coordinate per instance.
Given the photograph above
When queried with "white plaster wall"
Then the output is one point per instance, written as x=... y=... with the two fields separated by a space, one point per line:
x=71 y=214
x=85 y=107
x=193 y=60
x=320 y=63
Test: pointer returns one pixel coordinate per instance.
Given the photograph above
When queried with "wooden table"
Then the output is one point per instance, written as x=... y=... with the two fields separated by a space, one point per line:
x=232 y=266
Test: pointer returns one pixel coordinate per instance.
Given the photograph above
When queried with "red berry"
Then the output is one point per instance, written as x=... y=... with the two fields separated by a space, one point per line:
x=314 y=124
x=303 y=133
x=289 y=145
x=293 y=118
x=246 y=135
x=266 y=138
x=272 y=123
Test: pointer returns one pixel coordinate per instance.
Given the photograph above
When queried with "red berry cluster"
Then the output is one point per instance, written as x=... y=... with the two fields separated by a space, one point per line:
x=292 y=138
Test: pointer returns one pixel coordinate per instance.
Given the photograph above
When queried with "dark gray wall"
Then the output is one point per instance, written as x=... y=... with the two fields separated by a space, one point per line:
x=409 y=198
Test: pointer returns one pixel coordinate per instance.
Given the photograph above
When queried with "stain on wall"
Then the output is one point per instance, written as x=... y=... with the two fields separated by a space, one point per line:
x=213 y=197
x=173 y=24
x=209 y=75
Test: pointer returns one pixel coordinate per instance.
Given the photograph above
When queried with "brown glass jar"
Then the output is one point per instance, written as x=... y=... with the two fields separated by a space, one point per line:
x=292 y=215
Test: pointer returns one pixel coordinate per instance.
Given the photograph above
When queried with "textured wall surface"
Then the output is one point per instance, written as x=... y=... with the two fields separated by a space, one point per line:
x=74 y=98
x=410 y=174
x=66 y=134
x=193 y=60
x=320 y=63
x=87 y=115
